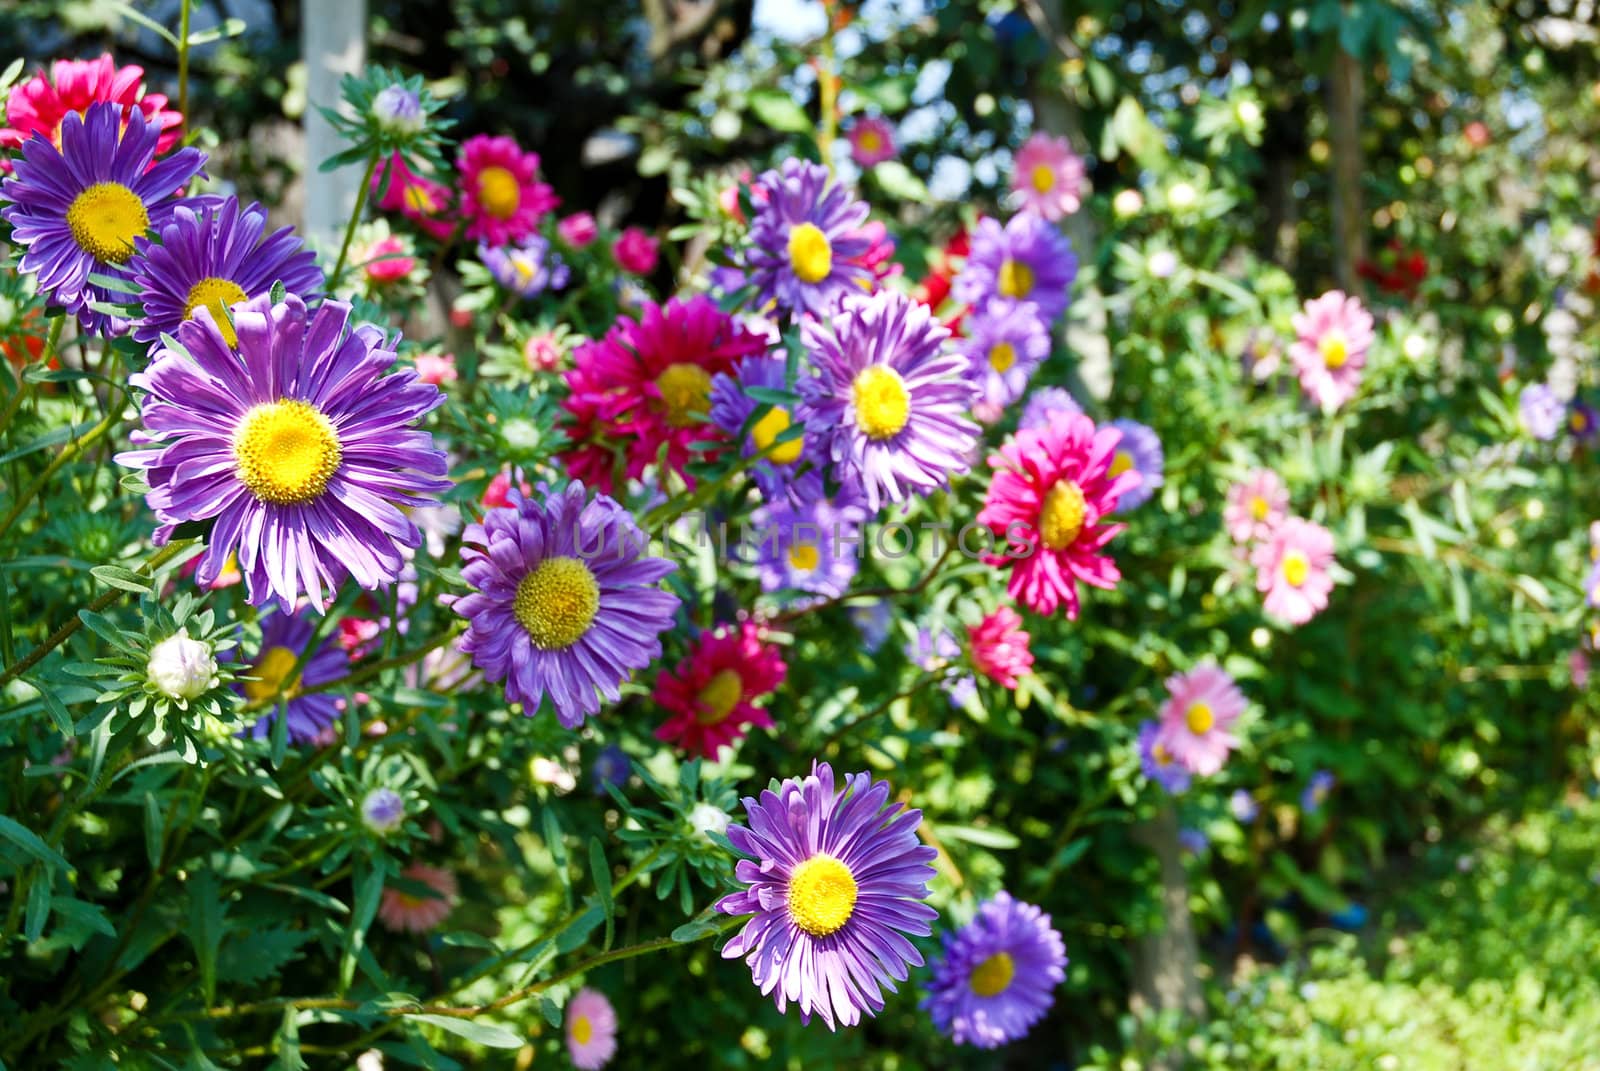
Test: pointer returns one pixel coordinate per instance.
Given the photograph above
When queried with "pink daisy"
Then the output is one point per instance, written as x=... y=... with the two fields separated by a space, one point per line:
x=578 y=229
x=1052 y=486
x=1256 y=506
x=387 y=260
x=1049 y=179
x=1334 y=333
x=711 y=694
x=402 y=912
x=999 y=647
x=647 y=384
x=1292 y=570
x=872 y=141
x=502 y=198
x=416 y=197
x=39 y=105
x=1201 y=707
x=591 y=1029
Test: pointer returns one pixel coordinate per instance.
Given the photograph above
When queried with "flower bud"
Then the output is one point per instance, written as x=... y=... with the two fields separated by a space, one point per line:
x=708 y=818
x=383 y=810
x=1127 y=203
x=181 y=668
x=399 y=110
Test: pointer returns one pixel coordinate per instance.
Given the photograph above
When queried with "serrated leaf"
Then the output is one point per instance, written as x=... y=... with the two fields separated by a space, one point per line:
x=259 y=955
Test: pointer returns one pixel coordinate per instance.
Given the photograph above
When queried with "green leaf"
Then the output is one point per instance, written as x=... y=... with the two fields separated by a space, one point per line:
x=38 y=907
x=229 y=28
x=252 y=958
x=154 y=829
x=81 y=913
x=289 y=1058
x=56 y=709
x=899 y=181
x=779 y=111
x=983 y=837
x=129 y=12
x=486 y=1034
x=600 y=871
x=206 y=909
x=369 y=890
x=118 y=577
x=31 y=842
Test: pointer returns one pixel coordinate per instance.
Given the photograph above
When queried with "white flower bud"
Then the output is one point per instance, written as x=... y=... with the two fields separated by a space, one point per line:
x=1127 y=203
x=398 y=109
x=181 y=668
x=707 y=818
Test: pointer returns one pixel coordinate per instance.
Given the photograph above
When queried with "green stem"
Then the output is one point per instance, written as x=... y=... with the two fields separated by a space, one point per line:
x=828 y=91
x=101 y=602
x=183 y=61
x=68 y=453
x=355 y=220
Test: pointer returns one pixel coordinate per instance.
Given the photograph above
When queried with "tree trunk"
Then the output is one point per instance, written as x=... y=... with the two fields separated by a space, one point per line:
x=334 y=36
x=1344 y=120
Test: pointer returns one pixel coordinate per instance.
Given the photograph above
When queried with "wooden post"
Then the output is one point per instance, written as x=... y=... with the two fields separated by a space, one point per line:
x=1345 y=86
x=334 y=40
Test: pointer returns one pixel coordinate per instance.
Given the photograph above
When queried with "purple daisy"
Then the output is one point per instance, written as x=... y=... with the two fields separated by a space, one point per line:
x=1006 y=341
x=1045 y=404
x=1026 y=260
x=298 y=446
x=932 y=652
x=526 y=269
x=213 y=255
x=809 y=545
x=732 y=406
x=835 y=881
x=997 y=975
x=1584 y=423
x=1157 y=761
x=1317 y=790
x=284 y=637
x=888 y=403
x=806 y=241
x=78 y=209
x=1139 y=450
x=565 y=601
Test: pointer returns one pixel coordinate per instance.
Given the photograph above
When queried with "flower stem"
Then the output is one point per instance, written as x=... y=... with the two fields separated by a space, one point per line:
x=355 y=219
x=68 y=453
x=183 y=60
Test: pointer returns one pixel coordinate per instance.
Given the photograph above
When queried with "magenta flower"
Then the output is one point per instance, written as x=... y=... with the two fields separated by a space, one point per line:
x=999 y=647
x=1334 y=333
x=872 y=141
x=1292 y=570
x=1049 y=178
x=1255 y=507
x=1051 y=491
x=502 y=198
x=636 y=252
x=578 y=229
x=1201 y=707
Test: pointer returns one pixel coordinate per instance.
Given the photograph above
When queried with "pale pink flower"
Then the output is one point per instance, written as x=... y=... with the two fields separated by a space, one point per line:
x=1333 y=335
x=436 y=368
x=1201 y=707
x=872 y=141
x=386 y=261
x=1578 y=662
x=999 y=647
x=1255 y=507
x=578 y=229
x=402 y=912
x=1049 y=179
x=542 y=352
x=591 y=1029
x=1292 y=570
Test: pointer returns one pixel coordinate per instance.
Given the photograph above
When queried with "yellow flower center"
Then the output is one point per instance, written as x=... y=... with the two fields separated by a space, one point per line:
x=1160 y=754
x=287 y=451
x=499 y=192
x=1002 y=356
x=1121 y=462
x=270 y=671
x=1199 y=718
x=810 y=255
x=804 y=557
x=1259 y=507
x=218 y=295
x=1335 y=351
x=1296 y=567
x=105 y=219
x=720 y=695
x=556 y=603
x=419 y=200
x=1062 y=514
x=1044 y=178
x=992 y=977
x=1579 y=420
x=582 y=1030
x=1015 y=279
x=765 y=432
x=685 y=391
x=883 y=405
x=822 y=895
x=869 y=141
